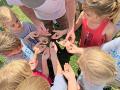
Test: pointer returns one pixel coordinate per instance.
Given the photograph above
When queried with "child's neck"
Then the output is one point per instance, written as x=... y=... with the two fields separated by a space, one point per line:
x=94 y=24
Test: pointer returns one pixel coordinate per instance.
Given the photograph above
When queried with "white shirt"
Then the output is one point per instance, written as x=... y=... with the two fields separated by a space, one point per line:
x=86 y=85
x=59 y=83
x=49 y=10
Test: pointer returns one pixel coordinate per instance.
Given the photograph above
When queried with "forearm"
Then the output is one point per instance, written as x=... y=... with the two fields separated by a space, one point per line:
x=55 y=63
x=70 y=11
x=45 y=67
x=30 y=14
x=79 y=21
x=72 y=84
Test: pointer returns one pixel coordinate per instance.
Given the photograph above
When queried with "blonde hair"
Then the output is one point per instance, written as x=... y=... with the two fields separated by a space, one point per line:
x=105 y=7
x=8 y=42
x=98 y=66
x=34 y=83
x=6 y=15
x=13 y=74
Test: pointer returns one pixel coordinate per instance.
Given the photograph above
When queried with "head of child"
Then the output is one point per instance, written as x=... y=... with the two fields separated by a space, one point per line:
x=14 y=73
x=9 y=44
x=9 y=21
x=101 y=8
x=97 y=66
x=34 y=83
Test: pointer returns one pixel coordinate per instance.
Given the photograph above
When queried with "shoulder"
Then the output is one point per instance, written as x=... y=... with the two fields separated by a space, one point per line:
x=109 y=31
x=110 y=27
x=14 y=2
x=28 y=26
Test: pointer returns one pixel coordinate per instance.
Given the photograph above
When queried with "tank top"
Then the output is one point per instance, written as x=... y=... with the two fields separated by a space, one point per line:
x=92 y=37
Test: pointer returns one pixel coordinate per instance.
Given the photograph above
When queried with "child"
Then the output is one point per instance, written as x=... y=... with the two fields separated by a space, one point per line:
x=97 y=67
x=34 y=83
x=12 y=48
x=11 y=23
x=96 y=25
x=14 y=73
x=113 y=48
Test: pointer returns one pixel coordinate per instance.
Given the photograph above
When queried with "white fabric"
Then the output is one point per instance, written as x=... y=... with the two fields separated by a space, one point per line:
x=118 y=26
x=86 y=85
x=59 y=83
x=14 y=2
x=113 y=48
x=50 y=10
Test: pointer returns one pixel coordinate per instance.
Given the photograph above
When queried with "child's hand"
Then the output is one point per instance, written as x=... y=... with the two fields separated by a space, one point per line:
x=63 y=42
x=71 y=36
x=33 y=64
x=72 y=48
x=59 y=33
x=34 y=34
x=41 y=47
x=43 y=40
x=68 y=72
x=46 y=54
x=53 y=47
x=42 y=29
x=36 y=50
x=53 y=50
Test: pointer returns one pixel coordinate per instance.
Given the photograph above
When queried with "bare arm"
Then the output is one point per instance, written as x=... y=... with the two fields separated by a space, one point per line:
x=45 y=67
x=110 y=31
x=30 y=13
x=45 y=57
x=70 y=76
x=79 y=21
x=70 y=11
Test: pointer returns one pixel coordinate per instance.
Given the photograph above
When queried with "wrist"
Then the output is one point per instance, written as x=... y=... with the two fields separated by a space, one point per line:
x=37 y=22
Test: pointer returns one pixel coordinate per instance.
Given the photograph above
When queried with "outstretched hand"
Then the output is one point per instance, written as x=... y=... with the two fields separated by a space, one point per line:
x=71 y=36
x=58 y=33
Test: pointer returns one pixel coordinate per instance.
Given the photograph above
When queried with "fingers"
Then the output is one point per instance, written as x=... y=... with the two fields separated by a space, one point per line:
x=41 y=47
x=36 y=50
x=56 y=36
x=53 y=48
x=33 y=64
x=63 y=42
x=46 y=54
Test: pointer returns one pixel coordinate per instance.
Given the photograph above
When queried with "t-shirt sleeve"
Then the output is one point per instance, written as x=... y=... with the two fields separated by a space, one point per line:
x=59 y=83
x=14 y=2
x=86 y=85
x=111 y=45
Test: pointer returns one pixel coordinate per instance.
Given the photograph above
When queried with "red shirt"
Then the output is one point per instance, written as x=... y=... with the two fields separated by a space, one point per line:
x=37 y=73
x=92 y=37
